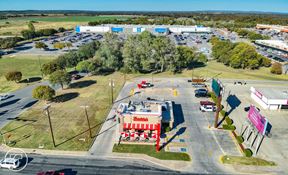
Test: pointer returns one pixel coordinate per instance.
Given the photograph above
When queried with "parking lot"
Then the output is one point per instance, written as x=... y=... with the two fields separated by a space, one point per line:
x=275 y=147
x=198 y=41
x=191 y=132
x=76 y=39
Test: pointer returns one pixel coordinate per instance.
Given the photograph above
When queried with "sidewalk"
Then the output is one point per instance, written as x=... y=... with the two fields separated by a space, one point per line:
x=5 y=148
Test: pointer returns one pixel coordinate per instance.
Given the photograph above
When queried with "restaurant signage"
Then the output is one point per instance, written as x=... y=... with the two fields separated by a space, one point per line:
x=140 y=119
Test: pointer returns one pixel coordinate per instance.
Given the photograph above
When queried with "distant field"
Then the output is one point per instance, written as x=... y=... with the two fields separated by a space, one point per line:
x=69 y=18
x=28 y=65
x=13 y=26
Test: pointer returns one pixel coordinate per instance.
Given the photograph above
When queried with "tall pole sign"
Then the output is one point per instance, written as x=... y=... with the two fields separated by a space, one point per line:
x=218 y=90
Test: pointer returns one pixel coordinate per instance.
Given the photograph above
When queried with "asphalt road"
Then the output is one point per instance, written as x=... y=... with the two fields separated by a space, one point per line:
x=18 y=102
x=87 y=166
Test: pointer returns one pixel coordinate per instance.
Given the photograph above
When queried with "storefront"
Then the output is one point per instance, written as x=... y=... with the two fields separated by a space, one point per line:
x=270 y=98
x=143 y=121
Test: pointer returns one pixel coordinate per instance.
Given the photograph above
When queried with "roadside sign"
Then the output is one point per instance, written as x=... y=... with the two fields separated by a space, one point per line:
x=257 y=120
x=216 y=87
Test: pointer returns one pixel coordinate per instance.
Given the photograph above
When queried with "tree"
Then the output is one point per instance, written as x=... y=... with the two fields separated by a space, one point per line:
x=13 y=76
x=59 y=45
x=28 y=34
x=276 y=68
x=40 y=45
x=83 y=66
x=9 y=42
x=49 y=68
x=31 y=26
x=61 y=29
x=109 y=54
x=43 y=93
x=88 y=50
x=60 y=77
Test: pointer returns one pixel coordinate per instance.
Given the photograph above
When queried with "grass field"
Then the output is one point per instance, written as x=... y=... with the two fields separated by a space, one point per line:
x=27 y=64
x=16 y=25
x=150 y=151
x=238 y=160
x=214 y=68
x=69 y=123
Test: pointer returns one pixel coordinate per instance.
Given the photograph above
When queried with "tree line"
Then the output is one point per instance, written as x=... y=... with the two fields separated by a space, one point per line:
x=238 y=55
x=251 y=35
x=142 y=53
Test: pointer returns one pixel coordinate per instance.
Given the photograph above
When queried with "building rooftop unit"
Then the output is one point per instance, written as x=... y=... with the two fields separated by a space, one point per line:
x=155 y=108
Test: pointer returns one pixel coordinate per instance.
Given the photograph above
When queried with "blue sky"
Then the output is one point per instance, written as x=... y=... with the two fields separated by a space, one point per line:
x=147 y=5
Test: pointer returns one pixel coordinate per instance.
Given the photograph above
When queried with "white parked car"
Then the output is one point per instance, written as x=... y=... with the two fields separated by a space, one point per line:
x=10 y=163
x=3 y=97
x=207 y=106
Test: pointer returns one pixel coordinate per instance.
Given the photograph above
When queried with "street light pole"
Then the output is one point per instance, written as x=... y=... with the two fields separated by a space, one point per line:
x=40 y=66
x=48 y=114
x=87 y=118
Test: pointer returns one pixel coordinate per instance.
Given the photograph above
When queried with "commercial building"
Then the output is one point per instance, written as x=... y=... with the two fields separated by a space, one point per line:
x=156 y=29
x=270 y=98
x=277 y=28
x=276 y=44
x=143 y=121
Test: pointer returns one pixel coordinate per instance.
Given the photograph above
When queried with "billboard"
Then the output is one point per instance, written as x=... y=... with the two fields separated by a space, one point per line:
x=257 y=120
x=217 y=87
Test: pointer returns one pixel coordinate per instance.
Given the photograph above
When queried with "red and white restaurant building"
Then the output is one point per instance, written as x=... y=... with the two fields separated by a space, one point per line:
x=142 y=121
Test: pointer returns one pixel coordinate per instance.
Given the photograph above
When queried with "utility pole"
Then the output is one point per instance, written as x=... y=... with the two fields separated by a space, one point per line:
x=46 y=108
x=86 y=113
x=40 y=66
x=3 y=137
x=111 y=84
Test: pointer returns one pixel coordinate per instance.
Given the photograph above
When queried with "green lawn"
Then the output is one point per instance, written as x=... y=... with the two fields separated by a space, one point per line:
x=239 y=160
x=69 y=123
x=28 y=65
x=150 y=151
x=214 y=68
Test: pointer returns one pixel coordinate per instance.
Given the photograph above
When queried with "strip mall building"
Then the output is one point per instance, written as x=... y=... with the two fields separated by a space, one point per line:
x=142 y=121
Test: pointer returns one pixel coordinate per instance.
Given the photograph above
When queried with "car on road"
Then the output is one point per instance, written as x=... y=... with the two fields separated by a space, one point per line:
x=207 y=106
x=239 y=83
x=4 y=97
x=9 y=163
x=76 y=76
x=246 y=109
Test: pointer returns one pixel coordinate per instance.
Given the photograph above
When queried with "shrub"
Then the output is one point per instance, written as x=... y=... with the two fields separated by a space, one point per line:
x=229 y=127
x=167 y=129
x=276 y=68
x=43 y=93
x=13 y=76
x=228 y=120
x=240 y=139
x=248 y=152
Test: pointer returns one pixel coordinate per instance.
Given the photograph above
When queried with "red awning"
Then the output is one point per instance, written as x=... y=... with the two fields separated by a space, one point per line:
x=139 y=126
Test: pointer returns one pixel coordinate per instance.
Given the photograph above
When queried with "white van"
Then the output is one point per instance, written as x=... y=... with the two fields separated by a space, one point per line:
x=10 y=163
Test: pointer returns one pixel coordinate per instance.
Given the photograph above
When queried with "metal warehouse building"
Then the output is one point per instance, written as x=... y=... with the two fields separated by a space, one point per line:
x=160 y=29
